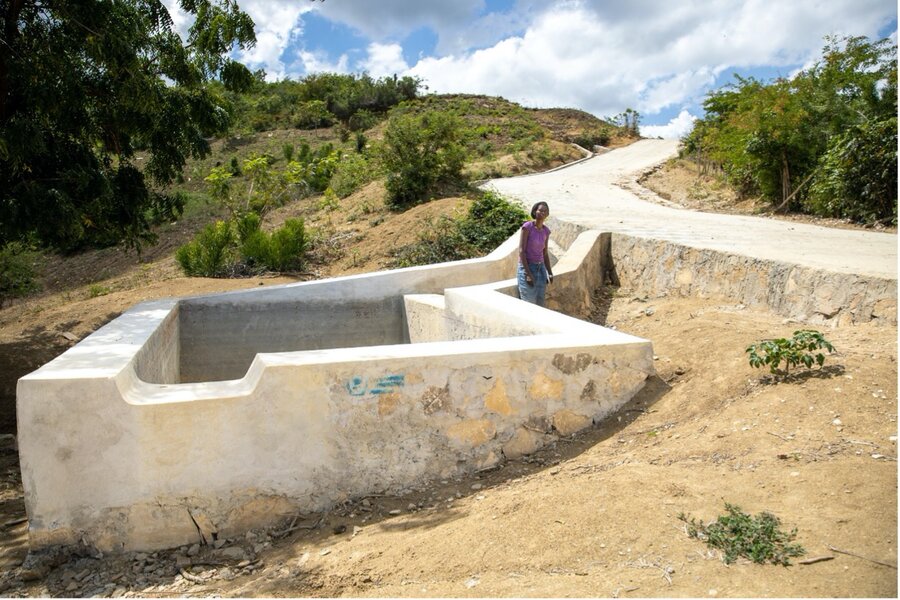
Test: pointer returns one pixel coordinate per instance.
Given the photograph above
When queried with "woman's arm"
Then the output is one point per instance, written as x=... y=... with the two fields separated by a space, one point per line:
x=547 y=258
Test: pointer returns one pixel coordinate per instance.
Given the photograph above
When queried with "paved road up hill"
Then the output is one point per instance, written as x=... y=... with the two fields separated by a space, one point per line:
x=587 y=194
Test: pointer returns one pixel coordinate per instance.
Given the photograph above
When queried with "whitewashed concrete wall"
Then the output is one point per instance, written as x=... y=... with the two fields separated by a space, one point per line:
x=120 y=450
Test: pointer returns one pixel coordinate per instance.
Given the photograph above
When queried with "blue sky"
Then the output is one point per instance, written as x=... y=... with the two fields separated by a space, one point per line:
x=658 y=57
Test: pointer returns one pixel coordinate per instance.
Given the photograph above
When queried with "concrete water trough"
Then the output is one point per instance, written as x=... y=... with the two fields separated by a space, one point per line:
x=186 y=420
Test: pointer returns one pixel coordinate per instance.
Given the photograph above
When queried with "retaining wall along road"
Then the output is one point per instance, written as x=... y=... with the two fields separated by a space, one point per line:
x=809 y=295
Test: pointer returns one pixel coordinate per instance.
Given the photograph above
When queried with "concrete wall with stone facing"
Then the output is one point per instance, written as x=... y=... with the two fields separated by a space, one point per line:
x=119 y=452
x=808 y=295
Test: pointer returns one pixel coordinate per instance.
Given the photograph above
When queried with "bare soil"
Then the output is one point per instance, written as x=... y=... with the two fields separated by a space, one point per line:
x=593 y=515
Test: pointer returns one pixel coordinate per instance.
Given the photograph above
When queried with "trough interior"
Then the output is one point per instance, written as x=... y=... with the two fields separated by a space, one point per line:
x=202 y=341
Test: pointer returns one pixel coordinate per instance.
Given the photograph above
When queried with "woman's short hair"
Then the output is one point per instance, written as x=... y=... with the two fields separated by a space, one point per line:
x=535 y=207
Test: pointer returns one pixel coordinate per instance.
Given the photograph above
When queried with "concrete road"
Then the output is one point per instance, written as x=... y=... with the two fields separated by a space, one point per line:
x=587 y=194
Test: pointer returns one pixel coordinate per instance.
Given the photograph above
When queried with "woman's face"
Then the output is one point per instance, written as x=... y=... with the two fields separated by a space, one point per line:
x=541 y=212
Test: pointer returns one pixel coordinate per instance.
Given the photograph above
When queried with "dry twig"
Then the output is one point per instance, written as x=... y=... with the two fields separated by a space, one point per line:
x=872 y=560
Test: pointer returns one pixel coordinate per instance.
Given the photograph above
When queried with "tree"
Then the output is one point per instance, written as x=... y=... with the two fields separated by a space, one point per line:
x=824 y=141
x=420 y=152
x=85 y=85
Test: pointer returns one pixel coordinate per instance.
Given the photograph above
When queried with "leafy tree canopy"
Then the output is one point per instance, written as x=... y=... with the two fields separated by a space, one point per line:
x=824 y=141
x=84 y=86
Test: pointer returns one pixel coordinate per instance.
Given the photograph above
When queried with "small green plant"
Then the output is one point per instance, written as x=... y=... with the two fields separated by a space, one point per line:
x=329 y=201
x=738 y=534
x=96 y=290
x=19 y=267
x=209 y=254
x=799 y=350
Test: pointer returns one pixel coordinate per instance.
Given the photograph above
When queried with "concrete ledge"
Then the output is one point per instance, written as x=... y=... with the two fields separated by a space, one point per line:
x=186 y=420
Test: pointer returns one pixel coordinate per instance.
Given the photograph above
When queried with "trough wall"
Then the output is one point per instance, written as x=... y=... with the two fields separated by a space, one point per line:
x=120 y=450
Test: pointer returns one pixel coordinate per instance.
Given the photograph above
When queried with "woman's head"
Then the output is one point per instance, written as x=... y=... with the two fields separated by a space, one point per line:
x=534 y=209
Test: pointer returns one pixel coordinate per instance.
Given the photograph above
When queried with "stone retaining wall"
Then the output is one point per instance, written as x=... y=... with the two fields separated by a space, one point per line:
x=813 y=296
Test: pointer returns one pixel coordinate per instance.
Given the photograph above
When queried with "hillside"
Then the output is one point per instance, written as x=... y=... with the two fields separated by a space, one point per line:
x=594 y=515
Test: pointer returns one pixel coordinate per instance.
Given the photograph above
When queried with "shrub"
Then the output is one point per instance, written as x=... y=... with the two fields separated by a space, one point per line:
x=420 y=152
x=288 y=246
x=216 y=252
x=793 y=352
x=857 y=175
x=351 y=173
x=19 y=266
x=738 y=534
x=440 y=242
x=254 y=243
x=591 y=138
x=489 y=222
x=209 y=254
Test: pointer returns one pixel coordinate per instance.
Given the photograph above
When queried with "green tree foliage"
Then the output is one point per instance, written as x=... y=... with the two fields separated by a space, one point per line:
x=262 y=189
x=420 y=152
x=823 y=142
x=319 y=100
x=352 y=172
x=85 y=85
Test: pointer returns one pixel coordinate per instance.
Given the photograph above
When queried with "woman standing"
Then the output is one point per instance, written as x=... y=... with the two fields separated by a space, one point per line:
x=534 y=261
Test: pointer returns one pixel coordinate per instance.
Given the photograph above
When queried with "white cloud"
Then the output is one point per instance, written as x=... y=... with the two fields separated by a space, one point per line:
x=674 y=129
x=384 y=60
x=317 y=62
x=277 y=25
x=604 y=57
x=597 y=55
x=394 y=19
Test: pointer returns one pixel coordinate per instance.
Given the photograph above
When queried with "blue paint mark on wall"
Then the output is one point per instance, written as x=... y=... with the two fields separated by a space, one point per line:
x=359 y=386
x=387 y=384
x=356 y=386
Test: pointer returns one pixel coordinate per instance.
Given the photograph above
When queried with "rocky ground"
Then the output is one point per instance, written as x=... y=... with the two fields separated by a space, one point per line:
x=594 y=515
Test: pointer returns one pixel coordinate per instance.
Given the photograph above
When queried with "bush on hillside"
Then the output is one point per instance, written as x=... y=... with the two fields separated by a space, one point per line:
x=19 y=266
x=419 y=153
x=352 y=172
x=217 y=252
x=489 y=222
x=208 y=254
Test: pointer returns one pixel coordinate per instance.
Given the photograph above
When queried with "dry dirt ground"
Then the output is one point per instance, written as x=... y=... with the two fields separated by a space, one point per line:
x=595 y=515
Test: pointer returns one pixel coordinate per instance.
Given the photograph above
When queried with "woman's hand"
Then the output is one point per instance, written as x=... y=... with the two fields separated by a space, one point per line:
x=529 y=279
